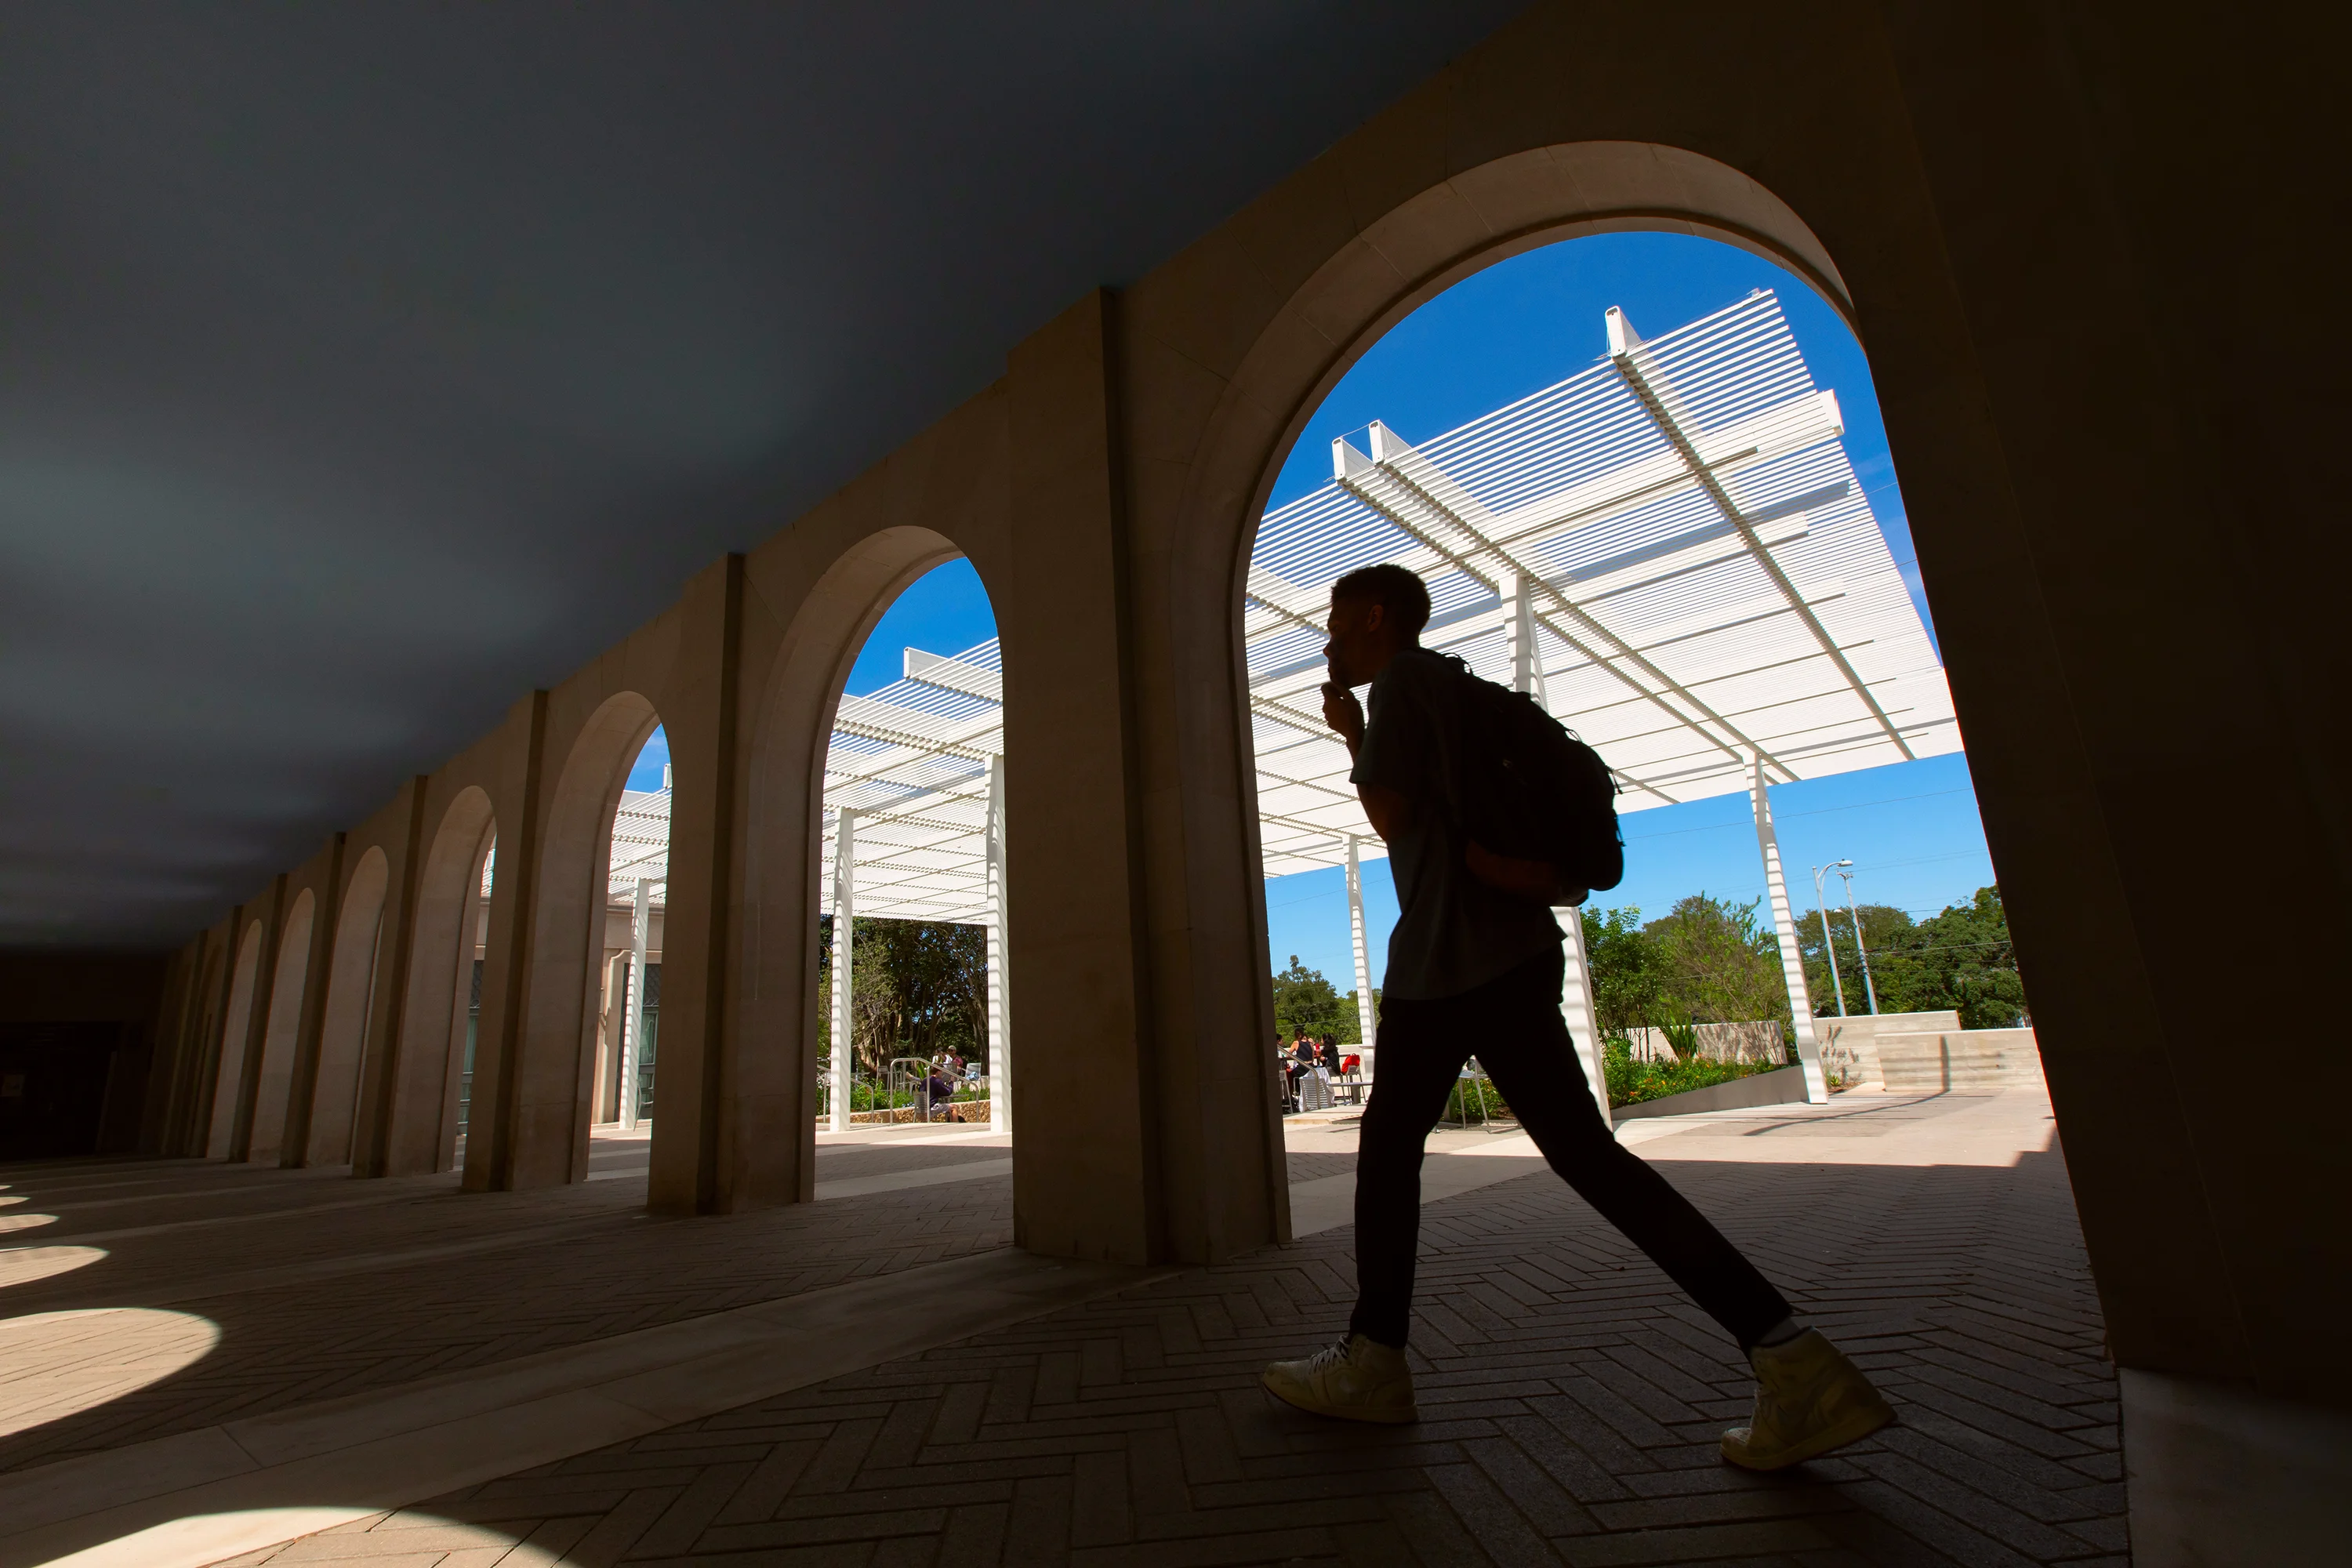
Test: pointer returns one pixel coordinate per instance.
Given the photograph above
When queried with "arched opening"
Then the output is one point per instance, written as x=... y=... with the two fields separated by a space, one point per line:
x=790 y=889
x=228 y=1078
x=425 y=1093
x=623 y=1075
x=275 y=1075
x=188 y=1069
x=1643 y=477
x=536 y=1131
x=351 y=972
x=914 y=900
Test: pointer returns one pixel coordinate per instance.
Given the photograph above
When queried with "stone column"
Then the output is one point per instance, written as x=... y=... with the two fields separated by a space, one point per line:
x=1098 y=1095
x=246 y=1062
x=1367 y=1014
x=840 y=1058
x=311 y=1022
x=1784 y=924
x=492 y=1114
x=1000 y=1019
x=388 y=1001
x=175 y=1025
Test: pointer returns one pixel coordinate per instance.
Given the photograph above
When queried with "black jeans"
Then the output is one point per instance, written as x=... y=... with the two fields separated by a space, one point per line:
x=1513 y=1026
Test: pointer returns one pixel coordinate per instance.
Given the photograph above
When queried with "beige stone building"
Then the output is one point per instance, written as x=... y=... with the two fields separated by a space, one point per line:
x=2084 y=250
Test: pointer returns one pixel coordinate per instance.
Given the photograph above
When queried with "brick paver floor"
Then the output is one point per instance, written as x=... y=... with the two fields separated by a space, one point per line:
x=1570 y=1397
x=233 y=1292
x=309 y=1286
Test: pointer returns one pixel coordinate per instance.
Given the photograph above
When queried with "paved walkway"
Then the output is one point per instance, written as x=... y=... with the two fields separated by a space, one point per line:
x=1571 y=1399
x=298 y=1286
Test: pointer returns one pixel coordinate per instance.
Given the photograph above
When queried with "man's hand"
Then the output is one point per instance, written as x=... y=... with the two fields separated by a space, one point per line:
x=1389 y=812
x=1343 y=713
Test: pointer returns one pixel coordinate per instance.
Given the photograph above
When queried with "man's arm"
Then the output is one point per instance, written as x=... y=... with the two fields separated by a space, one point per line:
x=1391 y=813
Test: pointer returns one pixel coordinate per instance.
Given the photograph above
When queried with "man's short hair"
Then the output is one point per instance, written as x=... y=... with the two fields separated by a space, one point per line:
x=1398 y=590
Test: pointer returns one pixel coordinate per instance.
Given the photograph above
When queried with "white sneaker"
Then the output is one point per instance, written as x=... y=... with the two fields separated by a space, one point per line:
x=1809 y=1399
x=1355 y=1380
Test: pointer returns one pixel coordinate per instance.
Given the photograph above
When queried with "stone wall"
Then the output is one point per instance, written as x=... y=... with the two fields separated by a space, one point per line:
x=1758 y=1040
x=1929 y=1062
x=1850 y=1046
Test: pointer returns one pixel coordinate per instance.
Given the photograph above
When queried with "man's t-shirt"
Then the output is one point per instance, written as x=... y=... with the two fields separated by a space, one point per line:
x=1453 y=932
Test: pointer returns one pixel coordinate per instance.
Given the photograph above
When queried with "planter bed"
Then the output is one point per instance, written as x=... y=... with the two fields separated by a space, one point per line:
x=969 y=1113
x=1781 y=1086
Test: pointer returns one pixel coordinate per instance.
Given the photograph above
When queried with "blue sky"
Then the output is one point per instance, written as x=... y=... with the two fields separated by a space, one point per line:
x=943 y=611
x=1912 y=829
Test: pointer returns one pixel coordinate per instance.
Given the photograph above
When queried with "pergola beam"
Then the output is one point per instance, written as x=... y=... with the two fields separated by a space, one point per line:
x=1651 y=390
x=1388 y=457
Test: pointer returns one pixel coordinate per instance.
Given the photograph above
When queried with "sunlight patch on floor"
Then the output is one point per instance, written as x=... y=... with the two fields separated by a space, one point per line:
x=23 y=1265
x=61 y=1363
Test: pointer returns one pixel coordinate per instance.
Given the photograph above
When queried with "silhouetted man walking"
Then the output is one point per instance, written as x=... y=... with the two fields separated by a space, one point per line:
x=1475 y=964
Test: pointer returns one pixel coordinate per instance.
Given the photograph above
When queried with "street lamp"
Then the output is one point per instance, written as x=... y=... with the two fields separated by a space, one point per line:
x=1871 y=990
x=1820 y=902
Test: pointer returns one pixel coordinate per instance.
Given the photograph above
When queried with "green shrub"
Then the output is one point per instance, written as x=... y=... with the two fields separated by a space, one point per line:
x=1631 y=1081
x=1463 y=1094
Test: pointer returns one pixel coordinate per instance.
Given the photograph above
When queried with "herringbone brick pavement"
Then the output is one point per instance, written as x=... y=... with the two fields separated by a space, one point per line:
x=1570 y=1397
x=322 y=1286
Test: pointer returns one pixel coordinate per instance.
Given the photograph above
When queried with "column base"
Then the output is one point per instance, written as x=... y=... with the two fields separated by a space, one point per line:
x=2217 y=1475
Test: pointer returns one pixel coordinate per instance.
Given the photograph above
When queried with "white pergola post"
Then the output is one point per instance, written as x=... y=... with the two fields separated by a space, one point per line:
x=842 y=1059
x=1527 y=659
x=1000 y=1023
x=1784 y=924
x=1576 y=978
x=1367 y=1015
x=633 y=1008
x=1576 y=1007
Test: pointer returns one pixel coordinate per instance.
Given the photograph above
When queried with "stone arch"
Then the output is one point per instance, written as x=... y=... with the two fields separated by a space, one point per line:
x=189 y=1063
x=1426 y=245
x=419 y=1131
x=1276 y=352
x=539 y=1132
x=229 y=1080
x=350 y=986
x=273 y=1075
x=783 y=830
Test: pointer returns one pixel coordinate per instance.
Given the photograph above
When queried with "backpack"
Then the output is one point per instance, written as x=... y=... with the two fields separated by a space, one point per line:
x=1526 y=786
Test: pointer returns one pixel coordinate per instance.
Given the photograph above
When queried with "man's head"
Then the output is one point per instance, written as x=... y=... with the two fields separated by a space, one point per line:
x=1376 y=612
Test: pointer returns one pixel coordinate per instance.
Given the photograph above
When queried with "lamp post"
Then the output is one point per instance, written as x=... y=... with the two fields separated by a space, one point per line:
x=1820 y=902
x=1872 y=990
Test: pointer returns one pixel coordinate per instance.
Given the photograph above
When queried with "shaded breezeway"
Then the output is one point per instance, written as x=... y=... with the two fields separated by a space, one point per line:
x=1570 y=1395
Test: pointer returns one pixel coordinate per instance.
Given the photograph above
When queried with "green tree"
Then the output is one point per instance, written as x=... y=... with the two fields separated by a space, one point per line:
x=1304 y=999
x=1721 y=962
x=1961 y=959
x=1883 y=927
x=919 y=989
x=1628 y=971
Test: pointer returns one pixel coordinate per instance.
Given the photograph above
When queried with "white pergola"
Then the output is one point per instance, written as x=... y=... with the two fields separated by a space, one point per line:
x=914 y=799
x=639 y=864
x=1669 y=549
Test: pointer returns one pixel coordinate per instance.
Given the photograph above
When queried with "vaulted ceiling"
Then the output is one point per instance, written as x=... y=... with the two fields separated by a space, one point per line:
x=362 y=366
